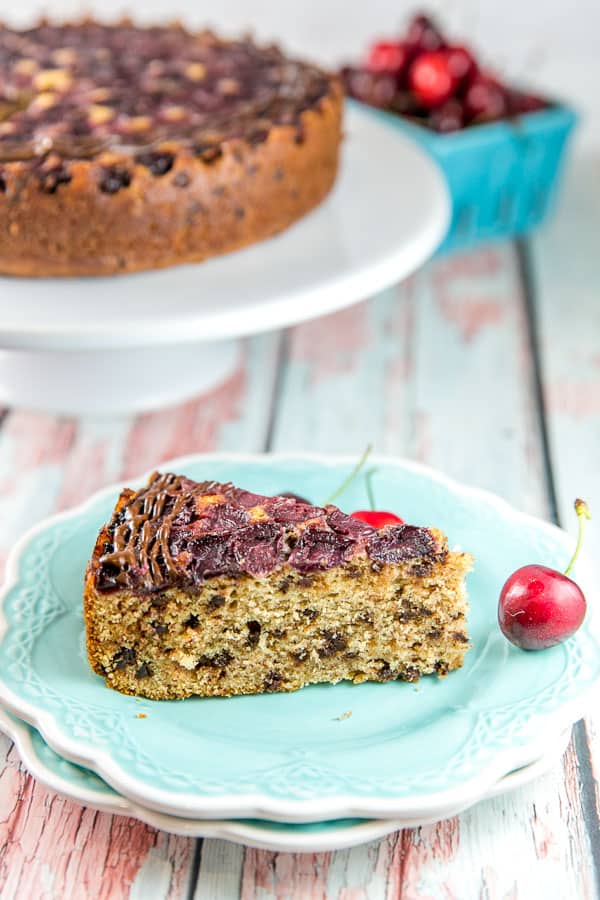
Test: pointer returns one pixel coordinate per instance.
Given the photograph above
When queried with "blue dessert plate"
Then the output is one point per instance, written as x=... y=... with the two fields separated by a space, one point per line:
x=325 y=752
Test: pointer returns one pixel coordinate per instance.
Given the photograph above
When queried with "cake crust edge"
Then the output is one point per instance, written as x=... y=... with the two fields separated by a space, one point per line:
x=247 y=194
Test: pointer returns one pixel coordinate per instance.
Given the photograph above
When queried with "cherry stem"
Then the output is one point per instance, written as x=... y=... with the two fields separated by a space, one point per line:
x=369 y=486
x=350 y=478
x=583 y=513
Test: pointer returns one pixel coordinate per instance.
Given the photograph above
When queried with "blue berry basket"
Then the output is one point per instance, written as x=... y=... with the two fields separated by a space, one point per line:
x=503 y=176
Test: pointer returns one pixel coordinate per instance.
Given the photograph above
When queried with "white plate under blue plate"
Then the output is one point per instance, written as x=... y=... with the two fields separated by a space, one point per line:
x=85 y=787
x=406 y=750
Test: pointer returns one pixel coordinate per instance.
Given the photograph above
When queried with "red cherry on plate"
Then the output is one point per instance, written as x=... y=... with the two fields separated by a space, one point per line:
x=540 y=607
x=390 y=57
x=423 y=34
x=377 y=518
x=431 y=79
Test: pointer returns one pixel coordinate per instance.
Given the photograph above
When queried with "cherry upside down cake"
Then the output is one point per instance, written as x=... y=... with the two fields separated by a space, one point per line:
x=126 y=148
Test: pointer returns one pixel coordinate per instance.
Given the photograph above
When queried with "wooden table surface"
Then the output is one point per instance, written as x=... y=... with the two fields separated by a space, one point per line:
x=485 y=365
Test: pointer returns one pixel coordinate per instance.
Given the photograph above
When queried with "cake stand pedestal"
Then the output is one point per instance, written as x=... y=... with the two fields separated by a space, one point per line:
x=111 y=382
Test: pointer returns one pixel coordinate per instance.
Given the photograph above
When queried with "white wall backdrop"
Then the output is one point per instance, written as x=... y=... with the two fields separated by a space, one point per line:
x=551 y=43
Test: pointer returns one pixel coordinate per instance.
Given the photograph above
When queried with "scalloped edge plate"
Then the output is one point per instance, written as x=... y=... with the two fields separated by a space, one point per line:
x=265 y=804
x=294 y=838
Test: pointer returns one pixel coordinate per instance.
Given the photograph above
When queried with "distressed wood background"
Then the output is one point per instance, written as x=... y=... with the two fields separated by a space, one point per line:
x=485 y=365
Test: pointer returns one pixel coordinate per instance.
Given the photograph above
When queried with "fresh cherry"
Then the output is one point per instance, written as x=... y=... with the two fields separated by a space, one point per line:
x=519 y=102
x=485 y=100
x=373 y=88
x=424 y=35
x=377 y=518
x=431 y=79
x=540 y=607
x=461 y=64
x=450 y=116
x=390 y=57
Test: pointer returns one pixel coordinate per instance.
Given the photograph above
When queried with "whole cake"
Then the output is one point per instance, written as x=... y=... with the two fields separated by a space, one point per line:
x=208 y=589
x=126 y=148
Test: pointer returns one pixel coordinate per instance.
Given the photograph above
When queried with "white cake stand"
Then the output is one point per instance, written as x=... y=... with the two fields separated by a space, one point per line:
x=134 y=342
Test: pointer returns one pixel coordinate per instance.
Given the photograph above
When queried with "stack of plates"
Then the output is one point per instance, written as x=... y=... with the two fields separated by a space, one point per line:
x=325 y=767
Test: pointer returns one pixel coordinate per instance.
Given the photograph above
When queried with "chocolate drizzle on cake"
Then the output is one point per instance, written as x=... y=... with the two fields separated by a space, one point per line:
x=179 y=532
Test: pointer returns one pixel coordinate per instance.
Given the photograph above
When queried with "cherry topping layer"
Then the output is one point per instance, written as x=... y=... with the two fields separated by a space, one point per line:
x=78 y=89
x=176 y=531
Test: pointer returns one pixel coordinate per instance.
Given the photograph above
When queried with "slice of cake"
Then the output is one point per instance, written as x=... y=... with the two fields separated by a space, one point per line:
x=208 y=589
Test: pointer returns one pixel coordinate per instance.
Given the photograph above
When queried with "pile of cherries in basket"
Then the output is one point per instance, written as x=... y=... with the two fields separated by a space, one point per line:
x=437 y=83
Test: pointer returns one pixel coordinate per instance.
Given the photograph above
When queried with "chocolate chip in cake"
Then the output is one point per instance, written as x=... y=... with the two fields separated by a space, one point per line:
x=159 y=601
x=208 y=153
x=218 y=661
x=159 y=628
x=284 y=584
x=272 y=682
x=409 y=673
x=311 y=614
x=301 y=655
x=441 y=668
x=306 y=581
x=2 y=184
x=157 y=161
x=335 y=642
x=386 y=673
x=412 y=612
x=460 y=637
x=114 y=178
x=254 y=630
x=144 y=671
x=216 y=601
x=222 y=659
x=434 y=633
x=192 y=622
x=181 y=179
x=279 y=633
x=126 y=656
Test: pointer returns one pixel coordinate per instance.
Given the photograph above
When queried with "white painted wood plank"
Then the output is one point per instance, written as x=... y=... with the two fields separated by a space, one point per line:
x=220 y=872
